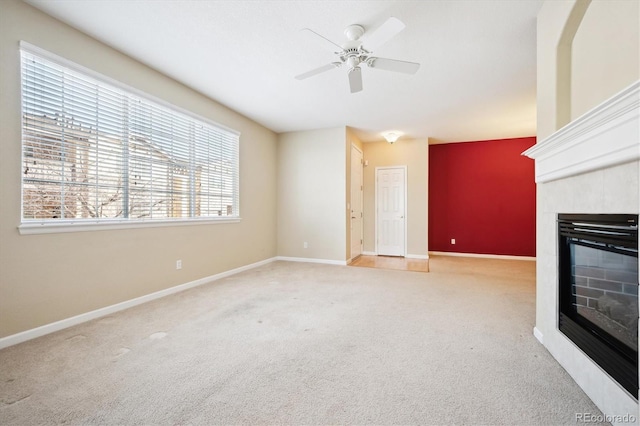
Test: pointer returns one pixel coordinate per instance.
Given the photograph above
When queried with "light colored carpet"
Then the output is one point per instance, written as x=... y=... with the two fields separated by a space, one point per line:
x=295 y=343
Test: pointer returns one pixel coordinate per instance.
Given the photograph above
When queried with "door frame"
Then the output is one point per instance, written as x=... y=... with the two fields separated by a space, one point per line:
x=353 y=146
x=406 y=216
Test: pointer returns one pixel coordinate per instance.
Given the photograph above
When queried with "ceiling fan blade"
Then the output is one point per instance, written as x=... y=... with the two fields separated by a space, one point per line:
x=394 y=65
x=383 y=33
x=322 y=41
x=318 y=70
x=355 y=79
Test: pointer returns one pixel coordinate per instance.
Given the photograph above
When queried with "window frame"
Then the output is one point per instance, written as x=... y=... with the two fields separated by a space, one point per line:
x=45 y=225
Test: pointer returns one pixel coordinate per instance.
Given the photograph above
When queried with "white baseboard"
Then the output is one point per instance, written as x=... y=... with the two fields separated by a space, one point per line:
x=14 y=339
x=369 y=253
x=485 y=256
x=312 y=260
x=417 y=256
x=538 y=335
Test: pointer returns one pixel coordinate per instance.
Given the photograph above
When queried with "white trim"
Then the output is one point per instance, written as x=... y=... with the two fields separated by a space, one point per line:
x=88 y=316
x=312 y=260
x=607 y=135
x=406 y=218
x=369 y=253
x=61 y=226
x=538 y=335
x=481 y=255
x=417 y=256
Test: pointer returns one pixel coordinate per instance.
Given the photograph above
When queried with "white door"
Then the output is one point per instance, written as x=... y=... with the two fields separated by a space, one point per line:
x=390 y=210
x=356 y=202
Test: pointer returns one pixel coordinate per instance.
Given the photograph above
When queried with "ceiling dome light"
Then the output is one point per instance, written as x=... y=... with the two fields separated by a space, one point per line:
x=391 y=137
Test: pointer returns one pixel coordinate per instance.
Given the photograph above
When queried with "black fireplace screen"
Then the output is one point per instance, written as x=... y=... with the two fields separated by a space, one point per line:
x=598 y=259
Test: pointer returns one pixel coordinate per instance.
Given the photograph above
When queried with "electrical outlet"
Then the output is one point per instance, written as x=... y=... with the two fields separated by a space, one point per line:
x=178 y=264
x=305 y=245
x=453 y=241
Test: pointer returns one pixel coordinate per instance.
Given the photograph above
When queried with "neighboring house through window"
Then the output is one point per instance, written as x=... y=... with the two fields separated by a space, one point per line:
x=94 y=150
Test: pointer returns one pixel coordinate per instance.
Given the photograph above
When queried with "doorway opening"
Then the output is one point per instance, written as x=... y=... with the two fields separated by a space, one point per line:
x=356 y=207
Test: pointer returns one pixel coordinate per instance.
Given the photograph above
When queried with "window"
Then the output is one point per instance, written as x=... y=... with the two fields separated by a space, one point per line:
x=94 y=151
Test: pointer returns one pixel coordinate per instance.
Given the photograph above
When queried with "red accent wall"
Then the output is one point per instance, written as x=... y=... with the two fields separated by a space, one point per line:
x=483 y=194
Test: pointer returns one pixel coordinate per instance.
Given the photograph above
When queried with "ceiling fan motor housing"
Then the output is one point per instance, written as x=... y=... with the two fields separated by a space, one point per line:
x=354 y=32
x=354 y=56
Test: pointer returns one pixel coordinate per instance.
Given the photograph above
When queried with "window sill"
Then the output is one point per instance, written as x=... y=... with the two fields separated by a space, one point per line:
x=30 y=228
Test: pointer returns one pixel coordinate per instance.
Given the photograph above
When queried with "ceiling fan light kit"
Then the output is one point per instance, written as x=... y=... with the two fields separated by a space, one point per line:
x=353 y=53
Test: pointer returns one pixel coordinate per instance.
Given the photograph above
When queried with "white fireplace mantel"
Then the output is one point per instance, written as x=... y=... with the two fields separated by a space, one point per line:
x=607 y=135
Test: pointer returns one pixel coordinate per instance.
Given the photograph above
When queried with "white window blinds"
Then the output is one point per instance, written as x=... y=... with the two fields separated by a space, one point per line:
x=94 y=150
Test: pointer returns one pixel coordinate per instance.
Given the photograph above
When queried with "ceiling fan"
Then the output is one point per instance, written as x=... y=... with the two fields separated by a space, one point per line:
x=353 y=53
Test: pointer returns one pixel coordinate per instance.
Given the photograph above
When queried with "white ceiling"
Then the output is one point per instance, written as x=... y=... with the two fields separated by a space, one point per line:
x=477 y=78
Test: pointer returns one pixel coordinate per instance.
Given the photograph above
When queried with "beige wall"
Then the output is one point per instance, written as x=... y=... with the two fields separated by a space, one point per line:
x=312 y=194
x=605 y=53
x=415 y=155
x=45 y=278
x=587 y=51
x=552 y=94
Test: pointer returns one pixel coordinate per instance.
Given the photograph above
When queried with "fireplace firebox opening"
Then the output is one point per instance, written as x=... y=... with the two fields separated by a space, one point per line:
x=598 y=290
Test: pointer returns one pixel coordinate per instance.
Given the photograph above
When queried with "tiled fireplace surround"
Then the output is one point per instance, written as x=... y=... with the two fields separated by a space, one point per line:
x=589 y=166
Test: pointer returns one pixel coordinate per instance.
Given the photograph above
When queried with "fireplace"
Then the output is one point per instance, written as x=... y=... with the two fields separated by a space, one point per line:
x=598 y=290
x=591 y=165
